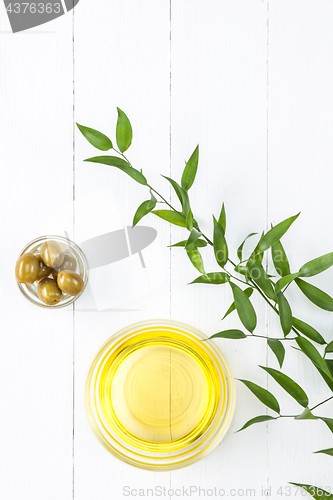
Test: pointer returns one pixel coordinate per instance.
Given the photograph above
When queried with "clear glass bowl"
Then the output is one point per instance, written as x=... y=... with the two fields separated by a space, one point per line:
x=159 y=395
x=69 y=247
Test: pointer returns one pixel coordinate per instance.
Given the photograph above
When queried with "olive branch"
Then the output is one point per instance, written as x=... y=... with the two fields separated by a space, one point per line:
x=249 y=275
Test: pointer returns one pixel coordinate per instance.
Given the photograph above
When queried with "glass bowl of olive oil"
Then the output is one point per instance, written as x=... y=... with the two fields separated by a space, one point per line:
x=160 y=395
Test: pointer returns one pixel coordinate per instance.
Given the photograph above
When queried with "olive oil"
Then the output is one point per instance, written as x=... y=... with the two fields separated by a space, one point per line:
x=156 y=392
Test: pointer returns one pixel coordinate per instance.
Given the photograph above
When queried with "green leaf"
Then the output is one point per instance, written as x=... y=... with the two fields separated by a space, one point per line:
x=258 y=274
x=114 y=161
x=328 y=422
x=123 y=131
x=145 y=208
x=280 y=259
x=198 y=243
x=315 y=492
x=306 y=415
x=96 y=138
x=315 y=295
x=329 y=363
x=266 y=397
x=171 y=216
x=223 y=219
x=276 y=233
x=195 y=257
x=241 y=246
x=328 y=451
x=286 y=317
x=329 y=348
x=248 y=292
x=311 y=352
x=190 y=170
x=229 y=334
x=245 y=309
x=220 y=244
x=257 y=420
x=284 y=281
x=328 y=380
x=256 y=255
x=212 y=279
x=185 y=202
x=178 y=190
x=316 y=266
x=308 y=331
x=242 y=270
x=194 y=236
x=289 y=385
x=189 y=220
x=278 y=349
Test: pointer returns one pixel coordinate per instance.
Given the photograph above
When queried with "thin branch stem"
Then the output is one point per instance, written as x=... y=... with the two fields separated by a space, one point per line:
x=310 y=409
x=287 y=416
x=207 y=239
x=122 y=154
x=148 y=185
x=271 y=338
x=235 y=277
x=323 y=402
x=162 y=198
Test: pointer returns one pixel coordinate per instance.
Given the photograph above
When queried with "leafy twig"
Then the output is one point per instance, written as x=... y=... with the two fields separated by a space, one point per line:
x=254 y=275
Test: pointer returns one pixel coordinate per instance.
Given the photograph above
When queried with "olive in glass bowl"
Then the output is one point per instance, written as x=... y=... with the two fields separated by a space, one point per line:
x=51 y=271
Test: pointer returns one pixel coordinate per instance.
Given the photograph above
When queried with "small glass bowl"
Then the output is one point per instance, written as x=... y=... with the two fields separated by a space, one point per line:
x=69 y=247
x=160 y=395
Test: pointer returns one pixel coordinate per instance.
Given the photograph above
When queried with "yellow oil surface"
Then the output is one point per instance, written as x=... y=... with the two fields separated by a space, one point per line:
x=159 y=390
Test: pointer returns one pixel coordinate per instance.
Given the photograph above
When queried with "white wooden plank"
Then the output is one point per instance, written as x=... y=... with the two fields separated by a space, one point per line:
x=35 y=180
x=300 y=158
x=219 y=100
x=125 y=63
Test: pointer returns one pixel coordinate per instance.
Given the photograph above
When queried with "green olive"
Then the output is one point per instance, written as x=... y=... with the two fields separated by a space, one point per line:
x=44 y=271
x=52 y=254
x=49 y=292
x=69 y=263
x=70 y=282
x=27 y=268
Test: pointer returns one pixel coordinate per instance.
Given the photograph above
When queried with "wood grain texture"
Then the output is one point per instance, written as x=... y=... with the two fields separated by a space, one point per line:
x=217 y=50
x=36 y=181
x=251 y=82
x=299 y=165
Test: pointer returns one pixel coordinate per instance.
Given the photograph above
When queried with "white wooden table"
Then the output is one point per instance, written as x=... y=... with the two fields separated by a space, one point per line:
x=251 y=81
